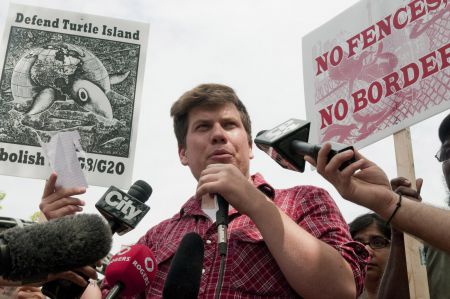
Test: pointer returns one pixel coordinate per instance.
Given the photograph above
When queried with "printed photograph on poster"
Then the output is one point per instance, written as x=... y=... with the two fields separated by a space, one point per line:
x=59 y=74
x=377 y=68
x=56 y=82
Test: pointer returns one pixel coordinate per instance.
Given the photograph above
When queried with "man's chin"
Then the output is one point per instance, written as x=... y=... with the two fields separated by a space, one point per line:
x=221 y=159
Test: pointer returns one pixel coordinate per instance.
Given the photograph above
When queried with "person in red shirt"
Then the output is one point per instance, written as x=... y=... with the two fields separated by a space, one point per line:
x=288 y=243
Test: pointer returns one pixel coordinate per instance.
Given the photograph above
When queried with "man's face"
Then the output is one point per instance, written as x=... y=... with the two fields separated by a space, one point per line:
x=215 y=135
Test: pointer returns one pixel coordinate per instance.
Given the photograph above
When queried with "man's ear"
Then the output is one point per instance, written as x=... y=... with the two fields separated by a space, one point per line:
x=182 y=153
x=250 y=154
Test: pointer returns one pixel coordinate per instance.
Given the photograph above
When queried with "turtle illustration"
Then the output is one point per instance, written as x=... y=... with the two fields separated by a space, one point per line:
x=63 y=71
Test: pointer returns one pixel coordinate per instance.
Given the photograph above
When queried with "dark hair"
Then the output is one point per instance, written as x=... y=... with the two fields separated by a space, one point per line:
x=444 y=129
x=205 y=95
x=365 y=220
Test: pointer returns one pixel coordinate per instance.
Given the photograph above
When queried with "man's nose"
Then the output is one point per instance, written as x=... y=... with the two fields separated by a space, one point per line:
x=218 y=134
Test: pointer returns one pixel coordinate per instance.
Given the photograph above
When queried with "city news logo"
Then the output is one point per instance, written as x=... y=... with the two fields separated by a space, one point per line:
x=123 y=203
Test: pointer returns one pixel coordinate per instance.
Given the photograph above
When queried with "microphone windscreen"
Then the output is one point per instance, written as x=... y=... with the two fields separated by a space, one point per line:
x=58 y=245
x=183 y=279
x=134 y=267
x=140 y=190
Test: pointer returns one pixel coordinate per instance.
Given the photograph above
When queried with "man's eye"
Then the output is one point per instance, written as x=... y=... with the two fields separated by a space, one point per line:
x=230 y=125
x=201 y=127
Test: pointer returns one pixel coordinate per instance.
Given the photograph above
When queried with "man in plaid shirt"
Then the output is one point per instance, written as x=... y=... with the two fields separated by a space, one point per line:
x=289 y=243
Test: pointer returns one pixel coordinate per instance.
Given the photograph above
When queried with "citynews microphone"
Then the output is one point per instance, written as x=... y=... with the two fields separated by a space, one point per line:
x=123 y=210
x=130 y=271
x=183 y=279
x=29 y=254
x=287 y=145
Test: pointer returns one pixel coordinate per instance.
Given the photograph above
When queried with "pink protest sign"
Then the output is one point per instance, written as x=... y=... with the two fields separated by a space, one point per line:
x=377 y=68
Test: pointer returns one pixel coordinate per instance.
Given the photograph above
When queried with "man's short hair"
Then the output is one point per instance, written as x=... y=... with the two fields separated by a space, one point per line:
x=205 y=95
x=444 y=129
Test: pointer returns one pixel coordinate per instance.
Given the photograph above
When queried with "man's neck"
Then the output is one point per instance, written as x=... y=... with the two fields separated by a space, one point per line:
x=208 y=202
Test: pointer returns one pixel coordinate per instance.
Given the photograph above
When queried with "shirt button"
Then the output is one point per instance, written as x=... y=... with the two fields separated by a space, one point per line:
x=203 y=271
x=208 y=242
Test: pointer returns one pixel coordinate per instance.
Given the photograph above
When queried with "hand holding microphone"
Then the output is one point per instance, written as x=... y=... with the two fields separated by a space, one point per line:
x=287 y=145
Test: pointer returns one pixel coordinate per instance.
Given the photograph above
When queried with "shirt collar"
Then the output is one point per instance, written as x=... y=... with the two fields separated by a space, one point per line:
x=263 y=186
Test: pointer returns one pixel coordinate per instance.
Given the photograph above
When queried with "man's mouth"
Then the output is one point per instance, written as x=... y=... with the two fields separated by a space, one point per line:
x=220 y=154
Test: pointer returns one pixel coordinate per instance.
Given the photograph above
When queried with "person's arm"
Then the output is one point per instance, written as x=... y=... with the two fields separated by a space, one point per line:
x=394 y=283
x=92 y=291
x=59 y=202
x=301 y=257
x=72 y=276
x=364 y=183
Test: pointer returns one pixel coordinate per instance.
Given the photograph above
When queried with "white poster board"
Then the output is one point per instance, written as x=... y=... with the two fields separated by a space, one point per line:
x=66 y=71
x=379 y=67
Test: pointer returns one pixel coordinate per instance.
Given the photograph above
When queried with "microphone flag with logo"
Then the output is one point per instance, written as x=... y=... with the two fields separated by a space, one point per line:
x=131 y=271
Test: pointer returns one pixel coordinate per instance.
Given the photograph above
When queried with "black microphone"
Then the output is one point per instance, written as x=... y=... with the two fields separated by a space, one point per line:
x=222 y=224
x=125 y=210
x=287 y=145
x=183 y=279
x=28 y=254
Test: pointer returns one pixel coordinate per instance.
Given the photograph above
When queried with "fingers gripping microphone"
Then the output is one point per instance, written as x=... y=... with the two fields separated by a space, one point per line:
x=287 y=145
x=131 y=271
x=125 y=210
x=183 y=279
x=30 y=253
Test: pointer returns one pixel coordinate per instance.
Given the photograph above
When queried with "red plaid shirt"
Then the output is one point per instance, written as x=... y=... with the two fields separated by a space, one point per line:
x=250 y=270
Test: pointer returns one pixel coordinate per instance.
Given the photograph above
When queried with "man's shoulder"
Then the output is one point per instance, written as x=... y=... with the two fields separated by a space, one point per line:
x=158 y=231
x=305 y=190
x=304 y=199
x=259 y=180
x=163 y=225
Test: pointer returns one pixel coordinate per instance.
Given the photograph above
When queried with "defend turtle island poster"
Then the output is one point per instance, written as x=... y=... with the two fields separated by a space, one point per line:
x=66 y=71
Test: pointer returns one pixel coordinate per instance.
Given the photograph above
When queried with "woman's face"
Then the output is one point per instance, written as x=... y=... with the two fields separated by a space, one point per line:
x=378 y=257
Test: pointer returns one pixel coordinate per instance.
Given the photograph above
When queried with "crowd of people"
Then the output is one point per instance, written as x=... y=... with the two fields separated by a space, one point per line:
x=282 y=243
